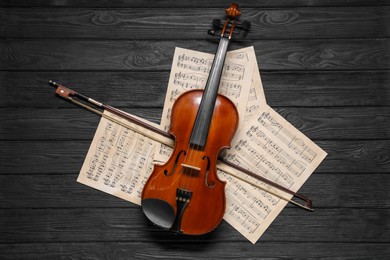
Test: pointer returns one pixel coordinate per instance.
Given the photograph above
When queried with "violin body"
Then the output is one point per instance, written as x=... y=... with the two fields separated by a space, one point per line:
x=185 y=194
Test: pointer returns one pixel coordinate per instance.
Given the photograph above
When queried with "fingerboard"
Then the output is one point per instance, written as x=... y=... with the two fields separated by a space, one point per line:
x=206 y=108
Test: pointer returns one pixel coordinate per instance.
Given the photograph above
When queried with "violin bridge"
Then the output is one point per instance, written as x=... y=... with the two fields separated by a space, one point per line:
x=190 y=167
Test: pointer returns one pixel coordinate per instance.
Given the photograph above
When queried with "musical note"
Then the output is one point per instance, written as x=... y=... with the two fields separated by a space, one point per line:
x=240 y=55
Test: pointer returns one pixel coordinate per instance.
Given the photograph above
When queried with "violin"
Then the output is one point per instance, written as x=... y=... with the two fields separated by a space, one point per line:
x=185 y=195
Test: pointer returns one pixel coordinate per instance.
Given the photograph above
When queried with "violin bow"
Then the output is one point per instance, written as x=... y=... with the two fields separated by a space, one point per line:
x=228 y=167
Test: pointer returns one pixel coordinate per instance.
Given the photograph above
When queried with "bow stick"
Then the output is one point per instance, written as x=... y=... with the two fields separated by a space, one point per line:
x=224 y=165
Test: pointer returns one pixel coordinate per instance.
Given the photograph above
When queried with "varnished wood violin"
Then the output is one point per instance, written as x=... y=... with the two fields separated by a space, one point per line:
x=185 y=195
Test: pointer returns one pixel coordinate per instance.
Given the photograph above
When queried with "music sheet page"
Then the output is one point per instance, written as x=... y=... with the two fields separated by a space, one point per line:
x=271 y=147
x=120 y=160
x=190 y=70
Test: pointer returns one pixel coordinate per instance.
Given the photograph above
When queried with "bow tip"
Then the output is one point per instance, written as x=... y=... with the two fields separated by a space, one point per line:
x=53 y=84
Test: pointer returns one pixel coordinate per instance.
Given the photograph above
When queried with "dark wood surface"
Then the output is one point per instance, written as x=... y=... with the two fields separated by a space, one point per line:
x=325 y=67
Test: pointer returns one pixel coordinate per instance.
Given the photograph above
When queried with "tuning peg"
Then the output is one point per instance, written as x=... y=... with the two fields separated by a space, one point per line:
x=244 y=25
x=239 y=28
x=211 y=32
x=216 y=23
x=241 y=35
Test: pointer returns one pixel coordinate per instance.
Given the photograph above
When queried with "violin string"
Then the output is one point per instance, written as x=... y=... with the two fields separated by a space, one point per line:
x=197 y=147
x=183 y=172
x=178 y=160
x=194 y=148
x=191 y=151
x=203 y=126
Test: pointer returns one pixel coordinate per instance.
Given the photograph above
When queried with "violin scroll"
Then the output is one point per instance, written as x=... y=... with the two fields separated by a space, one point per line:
x=233 y=11
x=230 y=27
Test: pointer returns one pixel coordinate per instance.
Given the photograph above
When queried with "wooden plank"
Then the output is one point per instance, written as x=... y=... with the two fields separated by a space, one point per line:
x=54 y=124
x=198 y=3
x=129 y=224
x=41 y=157
x=62 y=191
x=76 y=123
x=208 y=250
x=359 y=54
x=119 y=89
x=127 y=89
x=340 y=123
x=347 y=88
x=190 y=23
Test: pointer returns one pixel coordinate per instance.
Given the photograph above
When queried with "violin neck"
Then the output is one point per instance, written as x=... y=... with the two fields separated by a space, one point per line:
x=205 y=112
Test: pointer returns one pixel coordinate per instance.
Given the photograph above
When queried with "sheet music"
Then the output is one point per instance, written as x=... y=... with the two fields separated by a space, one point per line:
x=119 y=160
x=190 y=70
x=273 y=148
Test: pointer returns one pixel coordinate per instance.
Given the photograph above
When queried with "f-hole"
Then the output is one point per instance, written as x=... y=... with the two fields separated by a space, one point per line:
x=206 y=177
x=175 y=165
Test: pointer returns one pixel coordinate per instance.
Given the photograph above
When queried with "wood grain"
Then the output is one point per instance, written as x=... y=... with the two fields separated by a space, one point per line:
x=177 y=250
x=327 y=190
x=179 y=23
x=129 y=224
x=198 y=3
x=102 y=55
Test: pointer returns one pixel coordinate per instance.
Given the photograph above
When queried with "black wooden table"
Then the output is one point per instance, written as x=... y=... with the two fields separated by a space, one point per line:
x=325 y=66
